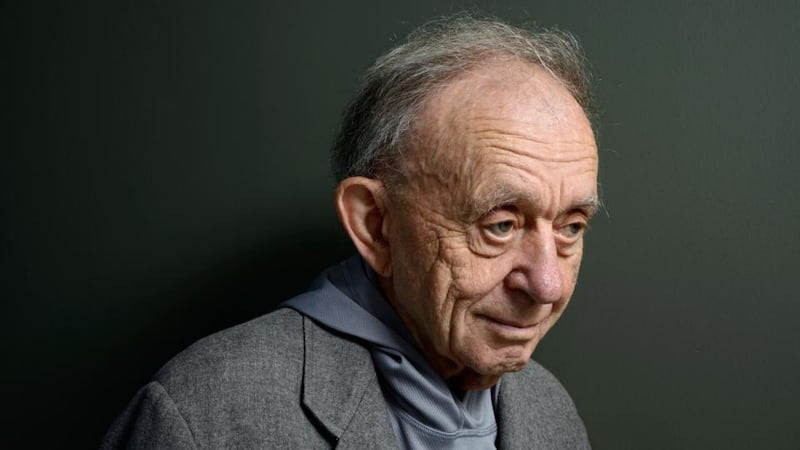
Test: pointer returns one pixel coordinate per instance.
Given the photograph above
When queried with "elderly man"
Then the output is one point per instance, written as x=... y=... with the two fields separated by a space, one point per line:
x=467 y=174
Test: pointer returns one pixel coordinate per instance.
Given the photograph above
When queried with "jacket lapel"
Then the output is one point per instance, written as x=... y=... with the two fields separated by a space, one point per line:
x=534 y=411
x=506 y=431
x=341 y=390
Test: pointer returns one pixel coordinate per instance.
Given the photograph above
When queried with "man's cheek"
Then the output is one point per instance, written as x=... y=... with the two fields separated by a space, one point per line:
x=481 y=277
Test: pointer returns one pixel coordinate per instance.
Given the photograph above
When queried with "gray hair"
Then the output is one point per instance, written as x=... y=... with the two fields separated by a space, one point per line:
x=376 y=125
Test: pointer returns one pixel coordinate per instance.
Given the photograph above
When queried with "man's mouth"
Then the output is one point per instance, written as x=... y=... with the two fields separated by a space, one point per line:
x=510 y=323
x=511 y=329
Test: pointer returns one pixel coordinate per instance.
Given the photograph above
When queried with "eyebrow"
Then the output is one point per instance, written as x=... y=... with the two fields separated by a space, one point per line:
x=590 y=205
x=501 y=195
x=498 y=196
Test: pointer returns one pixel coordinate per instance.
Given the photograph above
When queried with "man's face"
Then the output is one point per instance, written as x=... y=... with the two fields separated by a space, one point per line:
x=486 y=237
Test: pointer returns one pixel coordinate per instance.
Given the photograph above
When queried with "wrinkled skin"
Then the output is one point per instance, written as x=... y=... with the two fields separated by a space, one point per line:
x=486 y=233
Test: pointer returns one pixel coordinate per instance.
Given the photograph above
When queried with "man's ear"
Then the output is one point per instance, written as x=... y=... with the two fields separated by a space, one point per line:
x=361 y=207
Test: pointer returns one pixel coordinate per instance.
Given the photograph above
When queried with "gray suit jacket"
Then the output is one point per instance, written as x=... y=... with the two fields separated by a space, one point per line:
x=283 y=381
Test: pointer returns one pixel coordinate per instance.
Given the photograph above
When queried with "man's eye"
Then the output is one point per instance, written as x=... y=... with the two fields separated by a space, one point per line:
x=501 y=229
x=573 y=230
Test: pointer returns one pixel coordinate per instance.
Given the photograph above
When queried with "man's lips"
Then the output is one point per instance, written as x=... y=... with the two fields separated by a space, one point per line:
x=509 y=323
x=512 y=330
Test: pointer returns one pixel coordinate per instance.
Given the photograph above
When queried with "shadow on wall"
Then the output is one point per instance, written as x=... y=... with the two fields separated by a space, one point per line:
x=235 y=292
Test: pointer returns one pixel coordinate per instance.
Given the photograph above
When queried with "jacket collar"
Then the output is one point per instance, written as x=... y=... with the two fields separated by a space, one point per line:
x=507 y=432
x=341 y=390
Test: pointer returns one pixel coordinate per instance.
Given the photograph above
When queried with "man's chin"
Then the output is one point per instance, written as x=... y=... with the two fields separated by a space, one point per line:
x=488 y=376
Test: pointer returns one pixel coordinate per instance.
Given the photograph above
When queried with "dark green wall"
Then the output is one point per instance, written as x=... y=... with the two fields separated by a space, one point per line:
x=164 y=175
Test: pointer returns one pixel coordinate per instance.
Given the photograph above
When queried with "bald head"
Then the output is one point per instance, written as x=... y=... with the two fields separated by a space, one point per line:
x=376 y=128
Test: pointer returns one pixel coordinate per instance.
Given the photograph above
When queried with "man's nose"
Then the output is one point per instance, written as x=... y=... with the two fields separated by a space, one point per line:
x=537 y=270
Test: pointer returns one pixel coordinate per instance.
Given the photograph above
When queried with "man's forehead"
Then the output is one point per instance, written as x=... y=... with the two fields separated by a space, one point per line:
x=489 y=114
x=523 y=99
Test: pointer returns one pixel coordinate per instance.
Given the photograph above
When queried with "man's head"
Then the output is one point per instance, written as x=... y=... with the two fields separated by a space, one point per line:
x=468 y=173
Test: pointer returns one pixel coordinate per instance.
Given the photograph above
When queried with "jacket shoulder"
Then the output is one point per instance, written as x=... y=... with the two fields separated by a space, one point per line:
x=241 y=387
x=270 y=344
